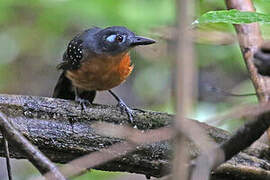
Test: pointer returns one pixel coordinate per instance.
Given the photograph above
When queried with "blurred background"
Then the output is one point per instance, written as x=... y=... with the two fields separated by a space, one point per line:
x=35 y=33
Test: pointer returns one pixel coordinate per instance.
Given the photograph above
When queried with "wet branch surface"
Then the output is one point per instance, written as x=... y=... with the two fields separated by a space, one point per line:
x=63 y=132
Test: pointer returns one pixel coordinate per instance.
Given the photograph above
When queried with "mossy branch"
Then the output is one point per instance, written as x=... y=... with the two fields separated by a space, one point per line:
x=63 y=132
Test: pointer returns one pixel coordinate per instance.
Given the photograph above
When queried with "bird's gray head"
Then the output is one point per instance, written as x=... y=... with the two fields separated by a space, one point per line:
x=115 y=40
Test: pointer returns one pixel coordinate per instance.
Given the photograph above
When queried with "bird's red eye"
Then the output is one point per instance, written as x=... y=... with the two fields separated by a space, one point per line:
x=119 y=38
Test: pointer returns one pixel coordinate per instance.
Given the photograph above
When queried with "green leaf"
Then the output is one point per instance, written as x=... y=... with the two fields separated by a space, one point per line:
x=232 y=16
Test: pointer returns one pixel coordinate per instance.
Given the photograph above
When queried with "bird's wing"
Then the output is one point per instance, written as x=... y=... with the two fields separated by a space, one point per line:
x=73 y=54
x=75 y=50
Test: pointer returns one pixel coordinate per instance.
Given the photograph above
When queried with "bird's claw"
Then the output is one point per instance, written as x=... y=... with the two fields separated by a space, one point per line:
x=82 y=102
x=126 y=109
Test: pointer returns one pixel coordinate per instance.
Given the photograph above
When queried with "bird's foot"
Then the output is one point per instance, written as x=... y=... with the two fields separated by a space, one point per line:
x=126 y=109
x=83 y=102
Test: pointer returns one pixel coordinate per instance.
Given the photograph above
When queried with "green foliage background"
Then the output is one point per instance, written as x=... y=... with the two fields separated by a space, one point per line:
x=34 y=34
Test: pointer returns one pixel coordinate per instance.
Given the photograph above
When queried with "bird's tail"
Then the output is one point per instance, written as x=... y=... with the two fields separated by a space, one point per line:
x=63 y=88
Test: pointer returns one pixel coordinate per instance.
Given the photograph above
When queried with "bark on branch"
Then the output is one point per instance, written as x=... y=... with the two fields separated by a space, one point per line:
x=63 y=132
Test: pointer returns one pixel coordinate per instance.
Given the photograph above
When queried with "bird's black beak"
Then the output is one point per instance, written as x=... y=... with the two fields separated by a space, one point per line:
x=139 y=40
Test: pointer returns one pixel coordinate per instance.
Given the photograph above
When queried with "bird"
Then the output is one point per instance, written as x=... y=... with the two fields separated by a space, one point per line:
x=97 y=59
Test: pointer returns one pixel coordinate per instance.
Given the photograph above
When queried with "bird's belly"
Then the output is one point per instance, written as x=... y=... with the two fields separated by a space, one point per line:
x=99 y=75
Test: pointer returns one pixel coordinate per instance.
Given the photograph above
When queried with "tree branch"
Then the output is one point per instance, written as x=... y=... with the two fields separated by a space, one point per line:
x=63 y=132
x=41 y=162
x=250 y=40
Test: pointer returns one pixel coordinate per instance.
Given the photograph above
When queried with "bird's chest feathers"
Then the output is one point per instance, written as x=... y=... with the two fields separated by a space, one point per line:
x=101 y=73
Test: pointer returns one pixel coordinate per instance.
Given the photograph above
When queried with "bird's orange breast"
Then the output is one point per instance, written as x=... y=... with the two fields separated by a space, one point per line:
x=101 y=73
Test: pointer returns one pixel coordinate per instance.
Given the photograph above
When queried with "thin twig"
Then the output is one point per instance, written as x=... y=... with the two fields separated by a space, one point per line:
x=199 y=35
x=249 y=110
x=210 y=152
x=133 y=135
x=184 y=86
x=41 y=162
x=79 y=165
x=7 y=158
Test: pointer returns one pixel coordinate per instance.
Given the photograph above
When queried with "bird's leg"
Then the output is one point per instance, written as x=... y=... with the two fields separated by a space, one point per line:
x=123 y=106
x=81 y=101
